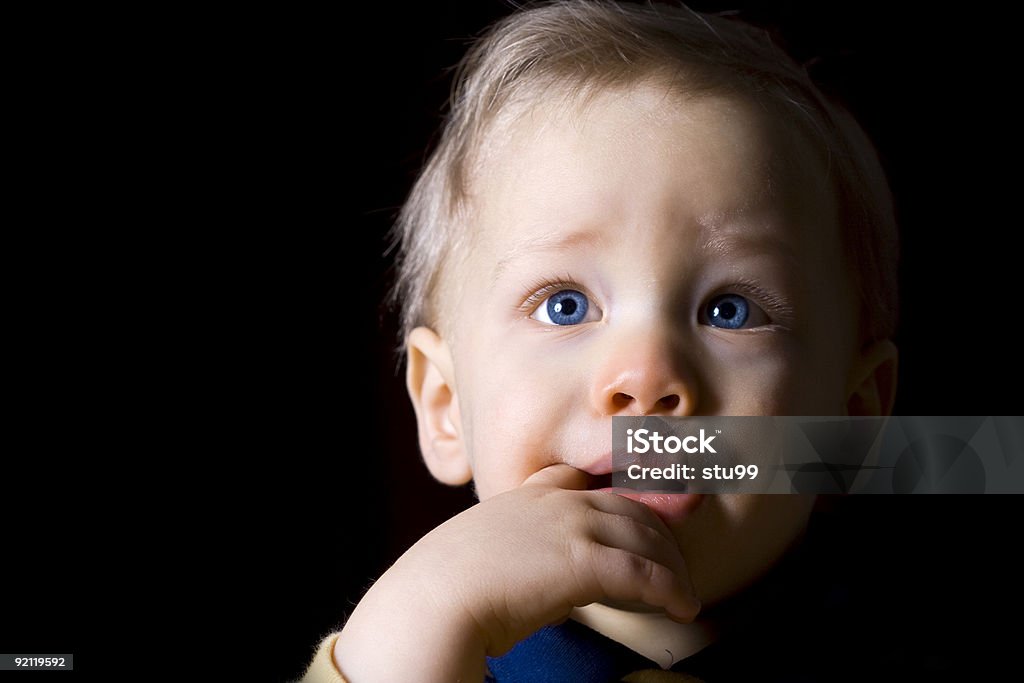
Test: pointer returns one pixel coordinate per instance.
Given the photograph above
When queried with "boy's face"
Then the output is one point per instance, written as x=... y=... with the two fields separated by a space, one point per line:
x=645 y=254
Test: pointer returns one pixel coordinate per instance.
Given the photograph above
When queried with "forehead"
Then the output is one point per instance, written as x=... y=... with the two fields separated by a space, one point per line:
x=703 y=160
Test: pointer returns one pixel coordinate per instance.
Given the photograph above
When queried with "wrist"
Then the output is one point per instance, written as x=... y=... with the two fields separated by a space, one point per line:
x=400 y=633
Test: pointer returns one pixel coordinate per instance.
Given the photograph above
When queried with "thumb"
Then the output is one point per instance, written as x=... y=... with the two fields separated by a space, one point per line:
x=560 y=476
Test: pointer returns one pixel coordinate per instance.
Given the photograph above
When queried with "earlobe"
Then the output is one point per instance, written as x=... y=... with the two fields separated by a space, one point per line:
x=430 y=380
x=871 y=390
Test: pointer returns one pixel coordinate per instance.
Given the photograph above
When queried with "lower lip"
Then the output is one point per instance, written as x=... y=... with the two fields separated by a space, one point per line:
x=670 y=507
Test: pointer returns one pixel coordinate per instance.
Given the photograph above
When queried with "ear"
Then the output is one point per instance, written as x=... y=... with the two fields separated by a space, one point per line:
x=431 y=384
x=871 y=388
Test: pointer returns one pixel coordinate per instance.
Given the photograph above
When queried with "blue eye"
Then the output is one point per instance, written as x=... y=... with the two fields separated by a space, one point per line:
x=729 y=311
x=567 y=307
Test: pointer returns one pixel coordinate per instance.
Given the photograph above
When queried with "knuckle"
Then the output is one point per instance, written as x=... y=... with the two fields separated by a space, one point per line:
x=647 y=533
x=633 y=566
x=648 y=569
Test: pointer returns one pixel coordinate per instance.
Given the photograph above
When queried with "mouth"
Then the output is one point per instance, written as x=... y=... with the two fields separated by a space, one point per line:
x=672 y=507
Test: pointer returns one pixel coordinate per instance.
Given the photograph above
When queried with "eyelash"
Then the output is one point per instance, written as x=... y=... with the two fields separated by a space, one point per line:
x=778 y=308
x=542 y=289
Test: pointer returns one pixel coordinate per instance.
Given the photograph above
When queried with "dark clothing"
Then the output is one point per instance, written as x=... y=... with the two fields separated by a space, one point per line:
x=857 y=600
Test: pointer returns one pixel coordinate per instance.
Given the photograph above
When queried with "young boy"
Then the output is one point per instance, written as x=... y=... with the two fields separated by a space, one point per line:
x=634 y=210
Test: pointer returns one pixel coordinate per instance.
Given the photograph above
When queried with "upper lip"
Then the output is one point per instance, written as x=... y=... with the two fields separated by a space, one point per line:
x=606 y=464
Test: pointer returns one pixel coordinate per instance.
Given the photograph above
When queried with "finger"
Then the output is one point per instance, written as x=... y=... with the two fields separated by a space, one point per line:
x=560 y=476
x=622 y=575
x=631 y=535
x=615 y=504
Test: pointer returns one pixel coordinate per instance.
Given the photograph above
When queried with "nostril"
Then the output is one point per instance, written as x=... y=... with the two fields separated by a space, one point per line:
x=621 y=400
x=669 y=402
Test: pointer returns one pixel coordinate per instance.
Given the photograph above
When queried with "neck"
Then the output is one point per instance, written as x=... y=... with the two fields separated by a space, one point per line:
x=652 y=635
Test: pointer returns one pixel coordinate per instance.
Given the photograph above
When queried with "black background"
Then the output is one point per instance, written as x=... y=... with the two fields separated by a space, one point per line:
x=300 y=135
x=927 y=86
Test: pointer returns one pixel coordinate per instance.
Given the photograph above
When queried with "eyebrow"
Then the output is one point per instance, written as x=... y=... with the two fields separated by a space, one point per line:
x=727 y=242
x=722 y=241
x=547 y=244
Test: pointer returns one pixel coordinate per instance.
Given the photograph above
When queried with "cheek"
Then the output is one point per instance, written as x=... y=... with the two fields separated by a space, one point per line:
x=769 y=375
x=517 y=406
x=749 y=375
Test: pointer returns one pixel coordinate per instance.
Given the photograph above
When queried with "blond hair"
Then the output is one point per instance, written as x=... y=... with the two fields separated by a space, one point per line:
x=573 y=47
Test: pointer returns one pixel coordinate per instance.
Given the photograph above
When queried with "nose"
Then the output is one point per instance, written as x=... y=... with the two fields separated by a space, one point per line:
x=644 y=374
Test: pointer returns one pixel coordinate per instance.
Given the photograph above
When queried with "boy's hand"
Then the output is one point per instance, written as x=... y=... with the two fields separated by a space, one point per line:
x=504 y=568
